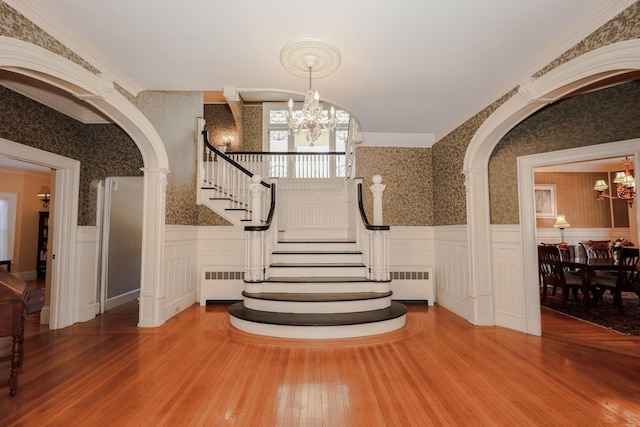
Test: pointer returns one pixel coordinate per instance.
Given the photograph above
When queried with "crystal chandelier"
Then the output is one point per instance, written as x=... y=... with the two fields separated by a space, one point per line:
x=313 y=118
x=302 y=57
x=625 y=186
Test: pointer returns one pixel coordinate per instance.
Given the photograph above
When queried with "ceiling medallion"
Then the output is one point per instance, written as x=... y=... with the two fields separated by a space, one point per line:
x=302 y=57
x=295 y=53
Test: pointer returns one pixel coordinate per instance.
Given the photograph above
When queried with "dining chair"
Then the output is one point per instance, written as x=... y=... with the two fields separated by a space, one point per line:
x=553 y=274
x=626 y=280
x=597 y=248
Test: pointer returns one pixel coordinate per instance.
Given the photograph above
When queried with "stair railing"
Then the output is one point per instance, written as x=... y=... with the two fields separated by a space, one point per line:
x=220 y=172
x=261 y=239
x=292 y=165
x=373 y=242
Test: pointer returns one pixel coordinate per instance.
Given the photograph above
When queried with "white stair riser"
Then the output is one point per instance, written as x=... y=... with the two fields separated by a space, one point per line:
x=319 y=332
x=328 y=258
x=317 y=307
x=316 y=288
x=323 y=271
x=317 y=246
x=234 y=217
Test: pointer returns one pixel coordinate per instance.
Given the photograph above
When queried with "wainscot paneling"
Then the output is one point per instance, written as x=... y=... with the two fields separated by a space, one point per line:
x=86 y=273
x=180 y=275
x=411 y=264
x=508 y=284
x=451 y=255
x=309 y=208
x=221 y=263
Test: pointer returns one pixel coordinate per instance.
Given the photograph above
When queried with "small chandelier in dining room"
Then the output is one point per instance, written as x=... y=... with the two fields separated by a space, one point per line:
x=625 y=186
x=302 y=57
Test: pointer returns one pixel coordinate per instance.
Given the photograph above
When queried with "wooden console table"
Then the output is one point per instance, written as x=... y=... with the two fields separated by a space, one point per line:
x=12 y=294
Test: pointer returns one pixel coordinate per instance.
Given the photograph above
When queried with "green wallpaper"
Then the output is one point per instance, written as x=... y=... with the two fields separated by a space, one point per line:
x=103 y=150
x=606 y=115
x=174 y=116
x=406 y=172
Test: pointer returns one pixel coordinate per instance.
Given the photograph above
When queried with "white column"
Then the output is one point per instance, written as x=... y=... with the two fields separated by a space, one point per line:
x=152 y=290
x=377 y=189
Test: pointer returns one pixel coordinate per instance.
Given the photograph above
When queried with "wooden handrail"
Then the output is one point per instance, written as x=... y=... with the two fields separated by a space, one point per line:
x=272 y=209
x=363 y=215
x=205 y=136
x=288 y=153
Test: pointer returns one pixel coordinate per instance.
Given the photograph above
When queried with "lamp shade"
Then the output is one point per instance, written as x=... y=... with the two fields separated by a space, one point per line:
x=44 y=191
x=600 y=185
x=561 y=222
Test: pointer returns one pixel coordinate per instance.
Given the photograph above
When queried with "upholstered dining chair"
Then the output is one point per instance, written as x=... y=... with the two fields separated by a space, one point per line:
x=626 y=280
x=553 y=274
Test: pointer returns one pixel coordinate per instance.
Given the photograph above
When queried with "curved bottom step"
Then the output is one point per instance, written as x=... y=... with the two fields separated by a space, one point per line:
x=318 y=325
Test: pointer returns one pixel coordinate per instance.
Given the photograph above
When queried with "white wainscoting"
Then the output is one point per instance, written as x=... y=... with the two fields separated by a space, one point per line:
x=180 y=275
x=508 y=282
x=221 y=262
x=86 y=274
x=411 y=263
x=451 y=256
x=312 y=208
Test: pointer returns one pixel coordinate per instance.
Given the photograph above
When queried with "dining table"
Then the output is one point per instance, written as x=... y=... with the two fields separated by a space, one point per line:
x=587 y=268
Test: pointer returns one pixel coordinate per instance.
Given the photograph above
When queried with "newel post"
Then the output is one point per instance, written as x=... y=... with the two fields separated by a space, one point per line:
x=257 y=190
x=379 y=239
x=255 y=267
x=377 y=189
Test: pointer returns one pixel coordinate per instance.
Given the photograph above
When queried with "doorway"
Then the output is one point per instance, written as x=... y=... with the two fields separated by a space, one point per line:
x=121 y=241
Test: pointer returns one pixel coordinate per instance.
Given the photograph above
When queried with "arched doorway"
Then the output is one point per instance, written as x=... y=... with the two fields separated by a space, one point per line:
x=585 y=70
x=38 y=63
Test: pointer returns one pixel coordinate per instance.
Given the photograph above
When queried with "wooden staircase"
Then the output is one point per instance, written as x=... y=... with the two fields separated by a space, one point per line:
x=317 y=289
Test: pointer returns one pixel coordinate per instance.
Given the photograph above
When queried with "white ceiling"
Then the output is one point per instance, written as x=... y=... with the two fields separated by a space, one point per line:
x=414 y=67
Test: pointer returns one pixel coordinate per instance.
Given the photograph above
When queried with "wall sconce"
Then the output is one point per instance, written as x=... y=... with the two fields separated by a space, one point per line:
x=226 y=143
x=45 y=195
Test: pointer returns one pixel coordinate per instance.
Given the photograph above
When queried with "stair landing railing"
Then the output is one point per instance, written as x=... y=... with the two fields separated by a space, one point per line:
x=231 y=180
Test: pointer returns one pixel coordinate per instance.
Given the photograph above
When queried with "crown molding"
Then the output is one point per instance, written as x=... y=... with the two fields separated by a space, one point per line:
x=56 y=28
x=597 y=17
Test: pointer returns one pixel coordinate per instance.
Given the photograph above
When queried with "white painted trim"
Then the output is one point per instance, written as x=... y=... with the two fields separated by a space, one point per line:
x=526 y=166
x=30 y=60
x=64 y=208
x=590 y=67
x=52 y=24
x=598 y=16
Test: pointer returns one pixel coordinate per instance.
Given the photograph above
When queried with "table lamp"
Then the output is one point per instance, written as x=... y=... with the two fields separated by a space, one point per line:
x=561 y=223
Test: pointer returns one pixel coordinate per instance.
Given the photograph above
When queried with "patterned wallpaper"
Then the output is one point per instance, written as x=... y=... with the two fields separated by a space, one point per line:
x=606 y=115
x=449 y=152
x=220 y=122
x=406 y=172
x=252 y=128
x=103 y=150
x=447 y=155
x=14 y=25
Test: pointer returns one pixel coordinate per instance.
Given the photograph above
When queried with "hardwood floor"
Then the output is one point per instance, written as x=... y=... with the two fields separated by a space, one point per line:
x=438 y=370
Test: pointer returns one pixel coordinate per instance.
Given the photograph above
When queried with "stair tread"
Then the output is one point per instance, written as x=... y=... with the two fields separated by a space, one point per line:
x=317 y=264
x=395 y=310
x=317 y=252
x=318 y=297
x=316 y=279
x=316 y=241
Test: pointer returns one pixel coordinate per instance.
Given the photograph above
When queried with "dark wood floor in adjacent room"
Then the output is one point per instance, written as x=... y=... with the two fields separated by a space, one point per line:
x=438 y=370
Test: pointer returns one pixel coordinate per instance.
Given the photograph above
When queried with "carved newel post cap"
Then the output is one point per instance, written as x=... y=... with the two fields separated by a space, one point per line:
x=256 y=179
x=377 y=179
